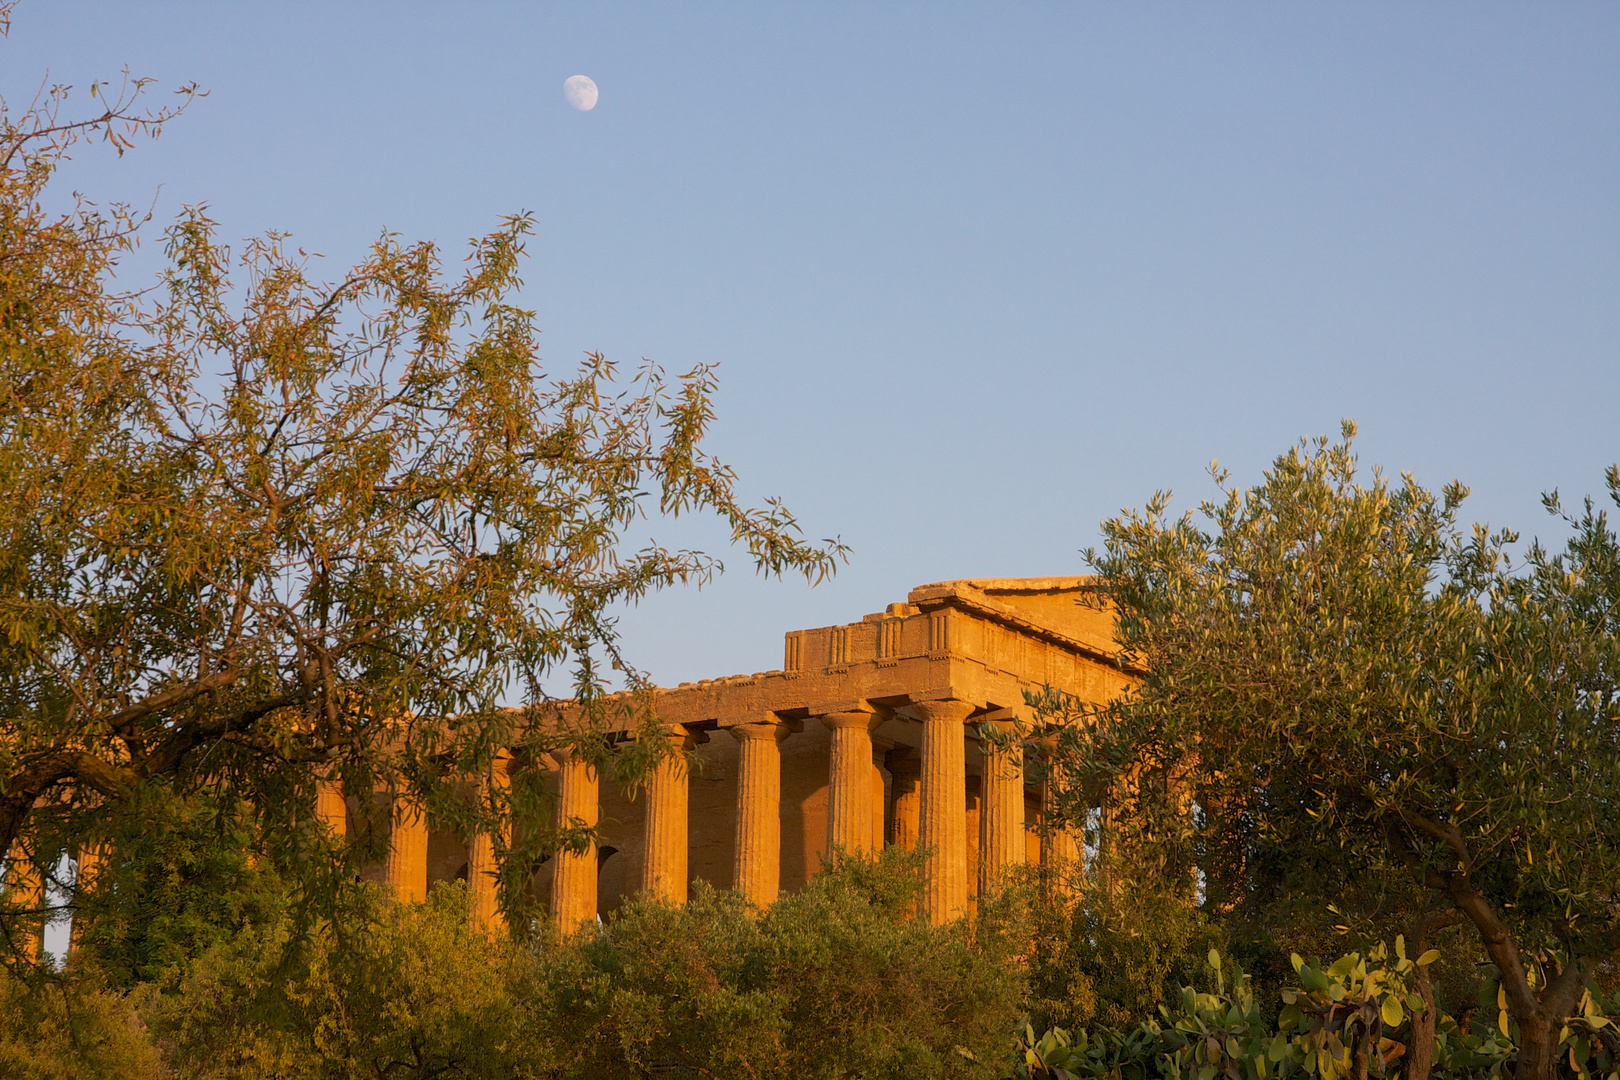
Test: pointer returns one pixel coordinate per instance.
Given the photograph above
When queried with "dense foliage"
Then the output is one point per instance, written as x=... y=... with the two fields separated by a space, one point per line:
x=1349 y=699
x=837 y=980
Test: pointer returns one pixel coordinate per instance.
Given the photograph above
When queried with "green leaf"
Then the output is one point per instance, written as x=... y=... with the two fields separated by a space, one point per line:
x=1392 y=1011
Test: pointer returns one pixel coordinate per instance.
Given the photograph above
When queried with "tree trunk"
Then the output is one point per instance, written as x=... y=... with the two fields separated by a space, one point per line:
x=1538 y=1048
x=1539 y=1016
x=1366 y=1038
x=1420 y=1050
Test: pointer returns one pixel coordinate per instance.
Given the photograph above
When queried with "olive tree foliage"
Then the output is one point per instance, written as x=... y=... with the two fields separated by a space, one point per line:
x=262 y=528
x=1337 y=675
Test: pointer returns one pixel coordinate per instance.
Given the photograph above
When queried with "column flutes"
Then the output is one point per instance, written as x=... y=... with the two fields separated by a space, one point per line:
x=849 y=781
x=573 y=883
x=86 y=862
x=1061 y=862
x=943 y=826
x=757 y=869
x=330 y=809
x=1001 y=817
x=880 y=802
x=1058 y=850
x=906 y=805
x=407 y=850
x=482 y=870
x=663 y=866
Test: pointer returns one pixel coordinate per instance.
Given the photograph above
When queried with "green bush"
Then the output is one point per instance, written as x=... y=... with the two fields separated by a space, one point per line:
x=177 y=876
x=71 y=1028
x=1115 y=955
x=405 y=991
x=839 y=979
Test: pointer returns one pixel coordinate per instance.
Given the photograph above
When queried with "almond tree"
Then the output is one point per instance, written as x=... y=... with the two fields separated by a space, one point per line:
x=261 y=528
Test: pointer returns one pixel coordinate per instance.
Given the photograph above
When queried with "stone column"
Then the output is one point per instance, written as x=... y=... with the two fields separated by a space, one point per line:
x=663 y=866
x=407 y=851
x=25 y=891
x=1001 y=813
x=906 y=769
x=942 y=829
x=849 y=781
x=880 y=802
x=757 y=870
x=330 y=809
x=573 y=882
x=482 y=870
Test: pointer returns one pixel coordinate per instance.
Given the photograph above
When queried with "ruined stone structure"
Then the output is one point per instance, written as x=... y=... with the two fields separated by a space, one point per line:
x=868 y=735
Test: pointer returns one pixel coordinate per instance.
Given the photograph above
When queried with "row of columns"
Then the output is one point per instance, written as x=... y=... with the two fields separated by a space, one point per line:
x=938 y=801
x=931 y=812
x=406 y=871
x=936 y=804
x=930 y=809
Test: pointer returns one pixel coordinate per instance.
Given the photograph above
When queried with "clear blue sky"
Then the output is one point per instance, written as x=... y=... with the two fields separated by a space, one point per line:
x=976 y=276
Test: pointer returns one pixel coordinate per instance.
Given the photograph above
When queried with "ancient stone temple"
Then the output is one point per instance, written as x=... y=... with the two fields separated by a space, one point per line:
x=868 y=735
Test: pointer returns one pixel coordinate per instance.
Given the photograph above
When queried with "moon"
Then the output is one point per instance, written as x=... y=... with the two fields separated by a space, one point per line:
x=580 y=92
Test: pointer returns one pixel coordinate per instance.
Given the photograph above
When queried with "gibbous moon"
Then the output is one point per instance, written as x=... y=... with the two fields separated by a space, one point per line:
x=580 y=92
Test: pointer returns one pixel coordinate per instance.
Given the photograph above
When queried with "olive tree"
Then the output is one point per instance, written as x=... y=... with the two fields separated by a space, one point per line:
x=1335 y=673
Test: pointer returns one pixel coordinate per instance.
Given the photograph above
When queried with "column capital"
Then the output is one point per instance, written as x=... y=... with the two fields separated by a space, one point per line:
x=773 y=730
x=946 y=710
x=853 y=718
x=680 y=736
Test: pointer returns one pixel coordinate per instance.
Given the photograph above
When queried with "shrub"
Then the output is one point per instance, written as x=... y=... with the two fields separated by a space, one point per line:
x=71 y=1028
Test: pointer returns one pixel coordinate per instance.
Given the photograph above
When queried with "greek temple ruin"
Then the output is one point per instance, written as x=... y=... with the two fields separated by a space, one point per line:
x=868 y=735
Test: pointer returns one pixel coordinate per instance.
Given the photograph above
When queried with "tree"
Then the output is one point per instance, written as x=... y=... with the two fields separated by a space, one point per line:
x=1338 y=675
x=263 y=529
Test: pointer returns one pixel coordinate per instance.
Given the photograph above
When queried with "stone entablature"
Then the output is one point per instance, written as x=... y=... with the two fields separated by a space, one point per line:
x=867 y=735
x=980 y=641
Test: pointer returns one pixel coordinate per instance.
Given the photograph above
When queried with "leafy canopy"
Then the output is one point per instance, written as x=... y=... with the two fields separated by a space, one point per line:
x=1336 y=674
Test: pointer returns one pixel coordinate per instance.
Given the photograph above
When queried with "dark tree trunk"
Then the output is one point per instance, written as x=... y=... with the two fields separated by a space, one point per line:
x=1366 y=1040
x=1539 y=1016
x=1420 y=1051
x=1538 y=1048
